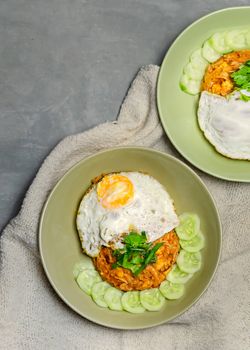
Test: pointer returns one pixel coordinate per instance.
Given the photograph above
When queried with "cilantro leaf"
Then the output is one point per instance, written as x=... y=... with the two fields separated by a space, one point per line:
x=134 y=239
x=241 y=77
x=136 y=253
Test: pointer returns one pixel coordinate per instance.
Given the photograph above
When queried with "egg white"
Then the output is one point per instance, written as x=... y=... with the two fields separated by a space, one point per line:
x=151 y=210
x=226 y=124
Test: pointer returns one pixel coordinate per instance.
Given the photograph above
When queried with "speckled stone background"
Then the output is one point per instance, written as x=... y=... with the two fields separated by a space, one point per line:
x=66 y=66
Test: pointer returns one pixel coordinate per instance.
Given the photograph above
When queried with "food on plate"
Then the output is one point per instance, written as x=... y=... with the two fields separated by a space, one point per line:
x=148 y=276
x=226 y=124
x=218 y=77
x=219 y=44
x=136 y=253
x=224 y=87
x=119 y=203
x=241 y=80
x=135 y=270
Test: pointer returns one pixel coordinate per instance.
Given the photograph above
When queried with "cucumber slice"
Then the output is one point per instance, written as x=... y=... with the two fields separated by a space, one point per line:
x=209 y=53
x=178 y=276
x=152 y=299
x=82 y=265
x=193 y=245
x=219 y=44
x=190 y=86
x=198 y=60
x=189 y=262
x=192 y=72
x=112 y=297
x=86 y=279
x=131 y=302
x=188 y=227
x=98 y=291
x=172 y=290
x=236 y=39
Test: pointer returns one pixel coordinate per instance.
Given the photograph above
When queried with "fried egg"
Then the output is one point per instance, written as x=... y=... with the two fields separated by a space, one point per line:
x=226 y=123
x=120 y=203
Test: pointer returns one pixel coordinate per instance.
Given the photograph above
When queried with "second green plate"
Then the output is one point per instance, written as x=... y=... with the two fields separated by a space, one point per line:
x=178 y=110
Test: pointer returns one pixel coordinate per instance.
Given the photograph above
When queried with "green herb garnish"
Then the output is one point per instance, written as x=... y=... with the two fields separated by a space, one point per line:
x=241 y=79
x=136 y=254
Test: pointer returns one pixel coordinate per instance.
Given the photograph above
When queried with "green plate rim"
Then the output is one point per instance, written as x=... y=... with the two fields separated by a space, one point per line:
x=40 y=247
x=160 y=77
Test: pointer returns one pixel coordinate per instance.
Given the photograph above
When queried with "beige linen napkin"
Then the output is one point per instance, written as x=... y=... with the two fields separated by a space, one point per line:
x=33 y=316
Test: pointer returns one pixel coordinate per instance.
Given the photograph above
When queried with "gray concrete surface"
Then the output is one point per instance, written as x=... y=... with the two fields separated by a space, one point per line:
x=66 y=65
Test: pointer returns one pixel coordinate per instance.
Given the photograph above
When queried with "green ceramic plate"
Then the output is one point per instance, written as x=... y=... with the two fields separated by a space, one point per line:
x=178 y=110
x=60 y=247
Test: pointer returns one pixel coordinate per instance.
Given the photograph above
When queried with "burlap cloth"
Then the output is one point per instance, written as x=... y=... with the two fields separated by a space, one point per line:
x=33 y=316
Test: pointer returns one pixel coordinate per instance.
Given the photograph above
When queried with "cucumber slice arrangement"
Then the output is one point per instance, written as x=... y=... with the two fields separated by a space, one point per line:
x=188 y=262
x=212 y=49
x=193 y=73
x=189 y=258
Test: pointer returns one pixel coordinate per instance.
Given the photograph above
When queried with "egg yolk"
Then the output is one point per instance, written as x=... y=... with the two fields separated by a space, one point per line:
x=114 y=191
